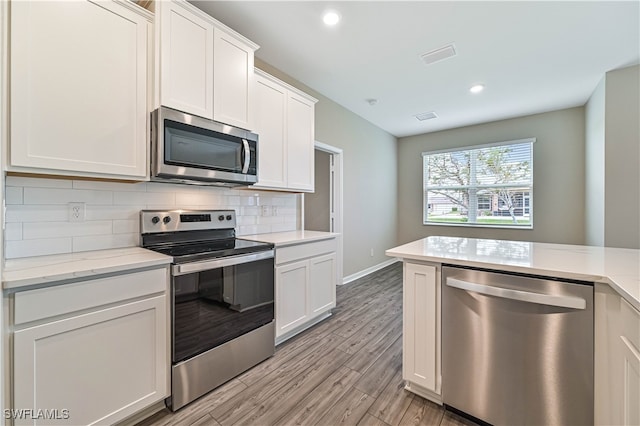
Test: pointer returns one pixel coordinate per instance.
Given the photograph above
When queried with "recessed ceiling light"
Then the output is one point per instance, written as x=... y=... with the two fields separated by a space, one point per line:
x=477 y=88
x=331 y=18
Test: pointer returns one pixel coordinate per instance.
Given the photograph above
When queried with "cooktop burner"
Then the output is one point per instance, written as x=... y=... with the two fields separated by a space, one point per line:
x=191 y=235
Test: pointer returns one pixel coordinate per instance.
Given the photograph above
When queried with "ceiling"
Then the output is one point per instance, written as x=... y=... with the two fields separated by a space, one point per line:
x=532 y=57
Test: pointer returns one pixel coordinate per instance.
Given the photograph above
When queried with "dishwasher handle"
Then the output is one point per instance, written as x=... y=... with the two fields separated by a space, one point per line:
x=522 y=296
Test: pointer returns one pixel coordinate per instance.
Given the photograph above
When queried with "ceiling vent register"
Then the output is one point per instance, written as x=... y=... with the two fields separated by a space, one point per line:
x=426 y=116
x=438 y=55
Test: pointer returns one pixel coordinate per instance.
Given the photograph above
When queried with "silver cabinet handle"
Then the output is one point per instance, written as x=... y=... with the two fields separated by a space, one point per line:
x=523 y=296
x=189 y=268
x=247 y=156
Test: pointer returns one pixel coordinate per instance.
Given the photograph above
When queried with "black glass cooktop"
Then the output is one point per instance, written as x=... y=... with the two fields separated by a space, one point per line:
x=188 y=252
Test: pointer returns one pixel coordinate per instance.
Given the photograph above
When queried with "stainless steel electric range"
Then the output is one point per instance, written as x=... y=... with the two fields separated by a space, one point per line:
x=222 y=287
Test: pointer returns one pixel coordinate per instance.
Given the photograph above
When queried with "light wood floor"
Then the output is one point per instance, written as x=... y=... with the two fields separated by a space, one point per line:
x=346 y=370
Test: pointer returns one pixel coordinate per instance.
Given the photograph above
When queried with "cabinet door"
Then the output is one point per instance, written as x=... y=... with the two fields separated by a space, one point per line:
x=232 y=80
x=291 y=296
x=300 y=143
x=617 y=359
x=630 y=382
x=322 y=284
x=79 y=87
x=186 y=59
x=101 y=366
x=270 y=102
x=630 y=364
x=421 y=327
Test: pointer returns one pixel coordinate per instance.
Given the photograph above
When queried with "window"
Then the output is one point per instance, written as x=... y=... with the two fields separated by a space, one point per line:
x=488 y=185
x=484 y=202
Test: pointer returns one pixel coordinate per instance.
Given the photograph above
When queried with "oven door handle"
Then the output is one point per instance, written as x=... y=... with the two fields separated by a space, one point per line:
x=522 y=296
x=190 y=268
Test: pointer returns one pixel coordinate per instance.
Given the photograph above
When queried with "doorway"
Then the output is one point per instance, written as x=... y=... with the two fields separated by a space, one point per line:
x=323 y=207
x=318 y=205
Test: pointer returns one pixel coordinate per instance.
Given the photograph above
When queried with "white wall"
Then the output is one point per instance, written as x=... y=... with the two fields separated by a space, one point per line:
x=558 y=176
x=37 y=212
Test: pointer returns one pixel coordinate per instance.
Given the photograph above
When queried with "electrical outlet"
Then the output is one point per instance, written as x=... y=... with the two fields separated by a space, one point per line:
x=266 y=211
x=371 y=252
x=76 y=212
x=274 y=210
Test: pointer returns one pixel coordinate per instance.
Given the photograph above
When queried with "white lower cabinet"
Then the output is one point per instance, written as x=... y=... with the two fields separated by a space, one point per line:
x=98 y=365
x=322 y=285
x=421 y=364
x=617 y=359
x=292 y=284
x=305 y=286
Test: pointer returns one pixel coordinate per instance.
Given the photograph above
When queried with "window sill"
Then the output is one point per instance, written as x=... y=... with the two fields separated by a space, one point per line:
x=480 y=225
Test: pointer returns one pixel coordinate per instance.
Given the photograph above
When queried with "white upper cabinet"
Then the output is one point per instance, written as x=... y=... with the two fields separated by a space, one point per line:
x=270 y=119
x=284 y=121
x=300 y=142
x=79 y=88
x=233 y=80
x=206 y=69
x=186 y=59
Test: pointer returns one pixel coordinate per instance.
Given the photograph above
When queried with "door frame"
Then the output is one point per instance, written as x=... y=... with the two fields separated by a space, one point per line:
x=336 y=198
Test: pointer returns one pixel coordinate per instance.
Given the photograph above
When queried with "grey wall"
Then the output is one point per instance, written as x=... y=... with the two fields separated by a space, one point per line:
x=622 y=158
x=612 y=160
x=369 y=180
x=317 y=205
x=558 y=176
x=594 y=167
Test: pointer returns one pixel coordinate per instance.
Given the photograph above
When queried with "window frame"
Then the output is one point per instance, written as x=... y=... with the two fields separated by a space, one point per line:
x=425 y=188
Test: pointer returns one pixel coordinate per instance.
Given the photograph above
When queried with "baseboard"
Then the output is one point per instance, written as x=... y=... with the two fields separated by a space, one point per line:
x=136 y=418
x=423 y=392
x=370 y=270
x=291 y=333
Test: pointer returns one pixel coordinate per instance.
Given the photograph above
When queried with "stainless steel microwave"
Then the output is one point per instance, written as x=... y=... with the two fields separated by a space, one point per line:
x=190 y=149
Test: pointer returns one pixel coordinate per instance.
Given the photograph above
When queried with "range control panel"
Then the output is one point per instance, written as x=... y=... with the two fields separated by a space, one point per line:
x=152 y=221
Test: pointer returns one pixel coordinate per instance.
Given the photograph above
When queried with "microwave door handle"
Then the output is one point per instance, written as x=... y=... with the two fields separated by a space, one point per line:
x=247 y=156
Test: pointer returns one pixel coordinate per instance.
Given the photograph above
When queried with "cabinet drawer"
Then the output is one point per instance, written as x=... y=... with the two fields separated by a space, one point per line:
x=304 y=250
x=47 y=302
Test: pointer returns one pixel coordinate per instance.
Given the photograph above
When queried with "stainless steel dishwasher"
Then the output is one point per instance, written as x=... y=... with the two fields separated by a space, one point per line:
x=517 y=350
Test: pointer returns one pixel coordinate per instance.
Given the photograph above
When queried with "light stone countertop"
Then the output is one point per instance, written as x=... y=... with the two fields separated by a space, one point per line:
x=42 y=270
x=617 y=267
x=281 y=239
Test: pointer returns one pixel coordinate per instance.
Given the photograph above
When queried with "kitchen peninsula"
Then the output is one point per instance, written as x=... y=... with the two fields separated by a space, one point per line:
x=615 y=273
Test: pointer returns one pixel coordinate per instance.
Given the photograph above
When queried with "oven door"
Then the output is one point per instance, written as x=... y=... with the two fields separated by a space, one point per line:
x=218 y=300
x=188 y=147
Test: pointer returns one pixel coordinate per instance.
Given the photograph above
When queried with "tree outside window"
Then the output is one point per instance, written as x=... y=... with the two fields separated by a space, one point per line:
x=490 y=185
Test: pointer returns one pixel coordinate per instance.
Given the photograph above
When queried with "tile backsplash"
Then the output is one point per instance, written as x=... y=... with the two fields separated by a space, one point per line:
x=37 y=215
